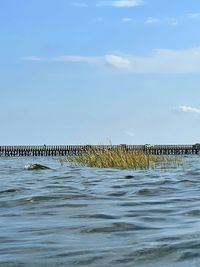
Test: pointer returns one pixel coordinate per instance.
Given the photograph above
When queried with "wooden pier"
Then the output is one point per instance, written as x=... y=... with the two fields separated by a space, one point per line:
x=64 y=150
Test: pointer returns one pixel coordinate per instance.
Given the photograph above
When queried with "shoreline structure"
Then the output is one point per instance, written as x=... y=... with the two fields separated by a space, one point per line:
x=73 y=150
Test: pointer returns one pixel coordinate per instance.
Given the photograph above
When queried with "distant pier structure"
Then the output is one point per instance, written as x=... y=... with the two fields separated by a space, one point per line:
x=65 y=150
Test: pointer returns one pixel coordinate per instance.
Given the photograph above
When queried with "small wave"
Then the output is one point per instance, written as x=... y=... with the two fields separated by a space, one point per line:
x=155 y=191
x=117 y=194
x=149 y=254
x=114 y=227
x=35 y=167
x=10 y=190
x=129 y=177
x=96 y=216
x=195 y=212
x=189 y=255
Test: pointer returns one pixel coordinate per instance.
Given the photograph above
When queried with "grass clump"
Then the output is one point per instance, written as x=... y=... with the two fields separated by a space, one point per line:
x=119 y=158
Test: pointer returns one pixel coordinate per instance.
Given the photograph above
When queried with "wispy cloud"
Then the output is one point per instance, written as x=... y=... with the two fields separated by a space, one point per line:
x=165 y=21
x=81 y=59
x=193 y=15
x=188 y=109
x=172 y=22
x=159 y=61
x=120 y=3
x=84 y=59
x=118 y=62
x=100 y=19
x=127 y=19
x=129 y=133
x=31 y=58
x=168 y=61
x=114 y=61
x=79 y=4
x=151 y=20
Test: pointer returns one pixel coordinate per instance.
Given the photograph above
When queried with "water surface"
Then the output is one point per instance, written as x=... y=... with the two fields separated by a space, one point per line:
x=75 y=216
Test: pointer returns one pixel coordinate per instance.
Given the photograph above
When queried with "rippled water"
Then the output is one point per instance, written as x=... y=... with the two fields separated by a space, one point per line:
x=71 y=216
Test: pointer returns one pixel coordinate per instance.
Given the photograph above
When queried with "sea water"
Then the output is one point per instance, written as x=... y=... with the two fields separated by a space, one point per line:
x=79 y=216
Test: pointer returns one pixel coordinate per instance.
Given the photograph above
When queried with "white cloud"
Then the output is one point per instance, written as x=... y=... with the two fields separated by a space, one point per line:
x=193 y=15
x=166 y=21
x=127 y=19
x=151 y=20
x=114 y=61
x=31 y=58
x=120 y=3
x=84 y=59
x=79 y=4
x=167 y=61
x=159 y=61
x=187 y=109
x=117 y=61
x=172 y=22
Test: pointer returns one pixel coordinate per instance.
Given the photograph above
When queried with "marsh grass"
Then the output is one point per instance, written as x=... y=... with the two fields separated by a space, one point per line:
x=121 y=158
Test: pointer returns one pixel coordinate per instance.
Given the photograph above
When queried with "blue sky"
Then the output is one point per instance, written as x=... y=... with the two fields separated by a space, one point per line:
x=89 y=71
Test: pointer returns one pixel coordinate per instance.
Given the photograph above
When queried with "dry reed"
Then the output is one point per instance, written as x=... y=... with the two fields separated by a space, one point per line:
x=120 y=158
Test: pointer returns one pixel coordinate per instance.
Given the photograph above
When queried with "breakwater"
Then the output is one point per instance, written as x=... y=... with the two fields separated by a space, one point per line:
x=64 y=150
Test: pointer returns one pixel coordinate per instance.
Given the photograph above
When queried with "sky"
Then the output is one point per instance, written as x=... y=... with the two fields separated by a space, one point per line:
x=95 y=72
